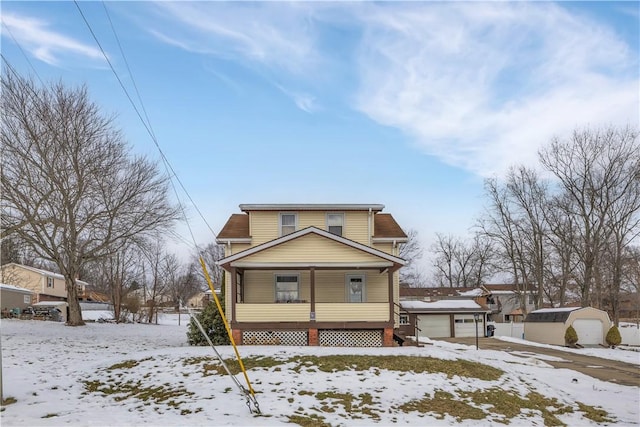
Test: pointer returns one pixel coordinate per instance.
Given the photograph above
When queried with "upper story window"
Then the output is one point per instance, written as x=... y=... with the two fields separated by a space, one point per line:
x=335 y=223
x=49 y=282
x=288 y=223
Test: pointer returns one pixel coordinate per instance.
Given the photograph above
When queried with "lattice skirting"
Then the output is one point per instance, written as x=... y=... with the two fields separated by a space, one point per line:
x=350 y=338
x=275 y=337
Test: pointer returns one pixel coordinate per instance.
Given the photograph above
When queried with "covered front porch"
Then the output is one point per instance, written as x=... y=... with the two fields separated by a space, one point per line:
x=312 y=288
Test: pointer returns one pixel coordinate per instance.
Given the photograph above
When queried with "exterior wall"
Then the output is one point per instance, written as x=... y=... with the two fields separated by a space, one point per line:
x=259 y=285
x=545 y=332
x=13 y=298
x=509 y=301
x=263 y=225
x=33 y=281
x=591 y=313
x=312 y=248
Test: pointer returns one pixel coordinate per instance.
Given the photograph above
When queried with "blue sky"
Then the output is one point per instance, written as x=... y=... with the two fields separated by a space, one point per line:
x=408 y=104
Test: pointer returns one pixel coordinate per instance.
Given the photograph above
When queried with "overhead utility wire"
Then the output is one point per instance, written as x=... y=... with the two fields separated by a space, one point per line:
x=23 y=52
x=145 y=124
x=248 y=393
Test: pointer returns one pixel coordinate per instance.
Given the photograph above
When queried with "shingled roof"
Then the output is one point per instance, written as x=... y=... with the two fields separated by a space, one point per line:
x=385 y=226
x=237 y=227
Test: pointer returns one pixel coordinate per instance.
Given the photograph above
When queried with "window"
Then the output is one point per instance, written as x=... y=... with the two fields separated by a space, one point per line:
x=26 y=299
x=287 y=289
x=355 y=288
x=288 y=223
x=49 y=282
x=335 y=223
x=531 y=299
x=404 y=319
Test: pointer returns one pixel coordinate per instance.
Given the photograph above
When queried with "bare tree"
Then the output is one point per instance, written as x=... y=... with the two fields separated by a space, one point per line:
x=411 y=251
x=211 y=254
x=599 y=172
x=70 y=188
x=461 y=263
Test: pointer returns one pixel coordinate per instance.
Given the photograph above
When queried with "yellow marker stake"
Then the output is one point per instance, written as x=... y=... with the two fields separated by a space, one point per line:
x=226 y=325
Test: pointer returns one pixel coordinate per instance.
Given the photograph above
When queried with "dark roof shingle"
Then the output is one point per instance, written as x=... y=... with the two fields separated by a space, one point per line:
x=237 y=227
x=385 y=226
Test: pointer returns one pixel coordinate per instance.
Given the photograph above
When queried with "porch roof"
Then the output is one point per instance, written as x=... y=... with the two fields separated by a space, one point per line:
x=384 y=260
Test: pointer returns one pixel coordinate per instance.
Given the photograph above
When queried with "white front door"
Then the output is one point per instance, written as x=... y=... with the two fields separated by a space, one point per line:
x=355 y=288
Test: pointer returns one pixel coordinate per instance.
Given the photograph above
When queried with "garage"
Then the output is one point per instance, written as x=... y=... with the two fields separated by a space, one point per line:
x=441 y=319
x=590 y=331
x=434 y=325
x=465 y=325
x=548 y=325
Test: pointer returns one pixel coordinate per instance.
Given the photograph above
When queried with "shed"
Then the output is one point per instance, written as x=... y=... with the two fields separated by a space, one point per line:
x=12 y=297
x=548 y=325
x=51 y=310
x=442 y=319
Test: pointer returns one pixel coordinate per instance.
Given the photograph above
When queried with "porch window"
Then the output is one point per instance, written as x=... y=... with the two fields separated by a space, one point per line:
x=287 y=289
x=335 y=223
x=288 y=223
x=355 y=288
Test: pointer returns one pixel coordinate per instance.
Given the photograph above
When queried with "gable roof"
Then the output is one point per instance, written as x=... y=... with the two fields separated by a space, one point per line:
x=312 y=207
x=312 y=230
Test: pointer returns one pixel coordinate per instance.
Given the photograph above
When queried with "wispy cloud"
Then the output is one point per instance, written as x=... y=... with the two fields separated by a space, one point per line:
x=46 y=45
x=304 y=101
x=484 y=85
x=267 y=33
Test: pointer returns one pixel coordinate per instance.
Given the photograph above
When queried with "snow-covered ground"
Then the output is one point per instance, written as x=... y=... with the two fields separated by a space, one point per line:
x=48 y=368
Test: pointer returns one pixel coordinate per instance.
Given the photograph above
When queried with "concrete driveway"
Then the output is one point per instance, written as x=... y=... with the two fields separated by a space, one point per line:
x=596 y=367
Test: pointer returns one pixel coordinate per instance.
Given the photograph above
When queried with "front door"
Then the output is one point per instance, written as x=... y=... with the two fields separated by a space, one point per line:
x=355 y=288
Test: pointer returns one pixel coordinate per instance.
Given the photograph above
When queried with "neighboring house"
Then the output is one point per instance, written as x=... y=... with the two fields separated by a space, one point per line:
x=45 y=285
x=548 y=325
x=312 y=274
x=201 y=299
x=506 y=302
x=14 y=297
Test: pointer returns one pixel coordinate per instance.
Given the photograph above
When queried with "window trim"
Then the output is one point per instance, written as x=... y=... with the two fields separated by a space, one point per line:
x=326 y=222
x=280 y=225
x=347 y=281
x=275 y=286
x=52 y=281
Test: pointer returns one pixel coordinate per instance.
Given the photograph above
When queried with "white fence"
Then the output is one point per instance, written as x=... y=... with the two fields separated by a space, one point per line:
x=630 y=333
x=514 y=330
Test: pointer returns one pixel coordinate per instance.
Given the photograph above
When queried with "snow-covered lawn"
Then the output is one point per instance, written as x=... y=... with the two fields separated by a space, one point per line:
x=106 y=374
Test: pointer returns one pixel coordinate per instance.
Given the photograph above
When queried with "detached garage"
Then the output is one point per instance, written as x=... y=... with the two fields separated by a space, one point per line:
x=548 y=325
x=442 y=319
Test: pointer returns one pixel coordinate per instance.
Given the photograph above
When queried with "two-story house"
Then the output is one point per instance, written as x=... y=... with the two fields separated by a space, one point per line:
x=45 y=285
x=312 y=274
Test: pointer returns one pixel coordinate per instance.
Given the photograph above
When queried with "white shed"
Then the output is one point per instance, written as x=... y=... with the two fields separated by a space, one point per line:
x=548 y=325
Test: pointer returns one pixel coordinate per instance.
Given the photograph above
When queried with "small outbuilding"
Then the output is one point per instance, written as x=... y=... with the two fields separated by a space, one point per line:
x=14 y=298
x=548 y=325
x=442 y=319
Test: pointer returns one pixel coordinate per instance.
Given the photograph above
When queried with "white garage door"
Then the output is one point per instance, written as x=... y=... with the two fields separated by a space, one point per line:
x=434 y=326
x=589 y=331
x=465 y=326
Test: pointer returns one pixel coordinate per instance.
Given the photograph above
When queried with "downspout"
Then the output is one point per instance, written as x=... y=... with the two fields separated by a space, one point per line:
x=369 y=226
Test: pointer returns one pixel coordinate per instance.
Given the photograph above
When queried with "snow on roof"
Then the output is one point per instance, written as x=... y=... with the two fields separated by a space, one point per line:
x=472 y=293
x=50 y=303
x=553 y=310
x=14 y=288
x=439 y=305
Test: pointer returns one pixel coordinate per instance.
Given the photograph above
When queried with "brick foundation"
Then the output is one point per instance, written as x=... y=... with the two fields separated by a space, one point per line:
x=237 y=336
x=313 y=337
x=387 y=338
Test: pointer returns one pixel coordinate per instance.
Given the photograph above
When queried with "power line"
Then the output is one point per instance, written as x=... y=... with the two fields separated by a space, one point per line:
x=147 y=126
x=23 y=52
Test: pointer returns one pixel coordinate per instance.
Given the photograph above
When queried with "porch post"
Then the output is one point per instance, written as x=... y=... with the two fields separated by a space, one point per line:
x=391 y=306
x=313 y=331
x=234 y=292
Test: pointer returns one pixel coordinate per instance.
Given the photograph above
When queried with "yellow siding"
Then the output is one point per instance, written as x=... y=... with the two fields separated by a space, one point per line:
x=385 y=247
x=36 y=282
x=311 y=248
x=273 y=312
x=264 y=225
x=368 y=312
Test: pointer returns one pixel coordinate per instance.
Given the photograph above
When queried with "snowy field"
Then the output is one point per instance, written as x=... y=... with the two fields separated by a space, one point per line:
x=48 y=368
